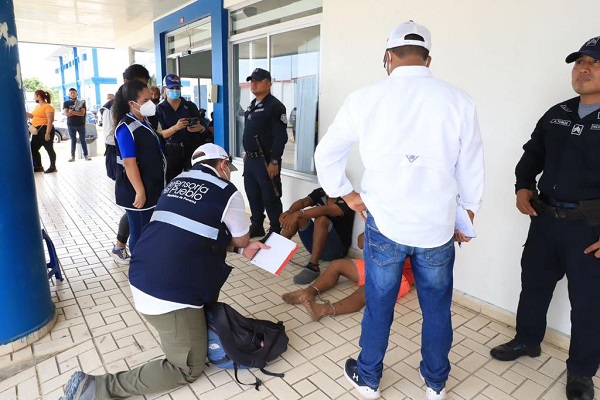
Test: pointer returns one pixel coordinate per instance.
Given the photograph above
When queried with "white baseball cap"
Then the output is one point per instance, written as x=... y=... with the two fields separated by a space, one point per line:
x=211 y=151
x=398 y=35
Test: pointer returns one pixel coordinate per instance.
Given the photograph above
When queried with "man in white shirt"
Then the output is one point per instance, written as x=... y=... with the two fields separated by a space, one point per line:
x=420 y=144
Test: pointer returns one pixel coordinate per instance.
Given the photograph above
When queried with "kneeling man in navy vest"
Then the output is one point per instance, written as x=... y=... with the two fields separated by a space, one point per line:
x=178 y=266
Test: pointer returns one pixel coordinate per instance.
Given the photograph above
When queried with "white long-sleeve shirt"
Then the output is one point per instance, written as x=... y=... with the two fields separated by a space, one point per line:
x=420 y=143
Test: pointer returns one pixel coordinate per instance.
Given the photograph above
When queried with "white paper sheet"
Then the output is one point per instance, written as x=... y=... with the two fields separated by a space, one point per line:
x=463 y=223
x=274 y=259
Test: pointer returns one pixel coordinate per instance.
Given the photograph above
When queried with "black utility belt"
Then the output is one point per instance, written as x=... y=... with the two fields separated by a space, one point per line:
x=586 y=210
x=176 y=144
x=255 y=154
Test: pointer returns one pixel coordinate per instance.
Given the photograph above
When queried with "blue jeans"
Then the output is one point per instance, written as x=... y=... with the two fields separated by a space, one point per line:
x=137 y=220
x=73 y=135
x=333 y=249
x=432 y=269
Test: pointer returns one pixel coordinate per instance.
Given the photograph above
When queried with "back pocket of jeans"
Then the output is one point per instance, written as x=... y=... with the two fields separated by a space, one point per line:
x=439 y=256
x=382 y=251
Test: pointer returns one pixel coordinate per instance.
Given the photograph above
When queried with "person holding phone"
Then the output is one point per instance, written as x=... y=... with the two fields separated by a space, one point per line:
x=181 y=137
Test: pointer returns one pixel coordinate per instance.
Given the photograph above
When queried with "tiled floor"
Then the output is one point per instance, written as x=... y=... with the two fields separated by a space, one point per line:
x=98 y=329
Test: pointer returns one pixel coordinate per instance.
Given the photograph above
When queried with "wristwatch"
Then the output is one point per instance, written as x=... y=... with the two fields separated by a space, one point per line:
x=274 y=162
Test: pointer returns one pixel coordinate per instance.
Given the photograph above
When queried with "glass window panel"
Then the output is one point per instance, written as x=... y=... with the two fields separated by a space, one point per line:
x=271 y=12
x=295 y=70
x=246 y=57
x=190 y=37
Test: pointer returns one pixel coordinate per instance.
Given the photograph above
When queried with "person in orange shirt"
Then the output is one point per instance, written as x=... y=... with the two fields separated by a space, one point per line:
x=42 y=118
x=351 y=269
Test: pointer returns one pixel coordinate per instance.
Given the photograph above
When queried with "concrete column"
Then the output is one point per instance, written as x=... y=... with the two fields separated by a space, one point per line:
x=26 y=308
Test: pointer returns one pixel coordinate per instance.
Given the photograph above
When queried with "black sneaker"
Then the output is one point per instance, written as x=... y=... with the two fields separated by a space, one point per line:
x=50 y=170
x=351 y=374
x=38 y=169
x=579 y=387
x=257 y=231
x=512 y=350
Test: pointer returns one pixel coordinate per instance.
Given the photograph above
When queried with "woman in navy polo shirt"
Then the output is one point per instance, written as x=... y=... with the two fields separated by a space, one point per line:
x=140 y=159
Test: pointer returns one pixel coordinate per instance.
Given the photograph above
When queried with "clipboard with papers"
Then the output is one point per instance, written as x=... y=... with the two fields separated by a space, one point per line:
x=277 y=256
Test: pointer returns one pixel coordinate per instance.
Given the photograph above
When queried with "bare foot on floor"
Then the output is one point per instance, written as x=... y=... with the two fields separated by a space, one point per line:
x=298 y=296
x=316 y=310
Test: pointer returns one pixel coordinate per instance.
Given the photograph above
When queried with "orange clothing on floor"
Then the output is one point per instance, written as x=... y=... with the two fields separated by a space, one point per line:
x=407 y=276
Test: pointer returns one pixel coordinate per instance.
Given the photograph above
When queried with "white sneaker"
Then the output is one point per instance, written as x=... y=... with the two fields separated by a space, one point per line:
x=71 y=159
x=88 y=158
x=120 y=256
x=351 y=374
x=431 y=394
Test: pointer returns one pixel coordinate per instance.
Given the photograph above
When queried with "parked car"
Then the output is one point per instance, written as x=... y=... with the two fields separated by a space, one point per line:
x=91 y=133
x=61 y=132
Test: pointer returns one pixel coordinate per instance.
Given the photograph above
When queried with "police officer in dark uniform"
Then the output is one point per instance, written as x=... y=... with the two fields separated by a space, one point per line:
x=565 y=225
x=265 y=136
x=182 y=137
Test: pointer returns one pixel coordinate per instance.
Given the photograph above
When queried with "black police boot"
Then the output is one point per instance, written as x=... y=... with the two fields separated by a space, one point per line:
x=256 y=231
x=513 y=350
x=579 y=387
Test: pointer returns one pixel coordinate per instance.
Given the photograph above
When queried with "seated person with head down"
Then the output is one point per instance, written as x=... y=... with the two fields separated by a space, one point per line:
x=325 y=229
x=353 y=270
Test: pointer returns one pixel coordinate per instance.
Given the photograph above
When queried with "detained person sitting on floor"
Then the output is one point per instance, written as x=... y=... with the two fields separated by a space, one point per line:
x=325 y=230
x=353 y=270
x=179 y=267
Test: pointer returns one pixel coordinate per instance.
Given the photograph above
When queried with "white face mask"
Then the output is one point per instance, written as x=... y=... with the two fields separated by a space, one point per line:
x=227 y=175
x=148 y=109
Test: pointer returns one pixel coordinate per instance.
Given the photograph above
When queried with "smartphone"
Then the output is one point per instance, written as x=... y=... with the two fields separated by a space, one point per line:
x=193 y=121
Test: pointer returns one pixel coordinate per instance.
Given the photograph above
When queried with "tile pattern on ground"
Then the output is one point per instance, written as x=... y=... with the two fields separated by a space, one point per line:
x=98 y=329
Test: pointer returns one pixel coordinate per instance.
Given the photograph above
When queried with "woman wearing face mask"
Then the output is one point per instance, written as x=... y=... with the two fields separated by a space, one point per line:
x=141 y=177
x=155 y=98
x=42 y=118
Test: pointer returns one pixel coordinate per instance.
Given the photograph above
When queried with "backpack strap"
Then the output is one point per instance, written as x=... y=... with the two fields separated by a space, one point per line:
x=255 y=384
x=278 y=375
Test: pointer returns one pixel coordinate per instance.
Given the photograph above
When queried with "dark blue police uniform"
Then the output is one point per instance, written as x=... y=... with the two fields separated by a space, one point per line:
x=266 y=122
x=180 y=146
x=566 y=148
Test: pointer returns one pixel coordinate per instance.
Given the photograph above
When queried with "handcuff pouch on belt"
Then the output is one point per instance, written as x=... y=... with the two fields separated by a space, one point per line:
x=591 y=211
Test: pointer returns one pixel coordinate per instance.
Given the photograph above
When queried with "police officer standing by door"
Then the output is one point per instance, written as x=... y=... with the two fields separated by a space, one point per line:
x=265 y=136
x=564 y=231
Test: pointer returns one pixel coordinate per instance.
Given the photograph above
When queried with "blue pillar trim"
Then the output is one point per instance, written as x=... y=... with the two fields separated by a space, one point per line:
x=62 y=79
x=219 y=31
x=25 y=302
x=95 y=65
x=76 y=65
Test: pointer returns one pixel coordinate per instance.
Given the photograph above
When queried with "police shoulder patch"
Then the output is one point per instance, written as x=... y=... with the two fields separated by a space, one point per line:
x=284 y=118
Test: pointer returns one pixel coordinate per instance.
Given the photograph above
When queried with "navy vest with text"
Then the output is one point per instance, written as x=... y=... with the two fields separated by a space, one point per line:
x=151 y=163
x=180 y=256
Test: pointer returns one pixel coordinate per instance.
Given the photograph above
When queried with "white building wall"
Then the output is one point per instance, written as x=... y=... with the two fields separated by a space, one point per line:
x=509 y=56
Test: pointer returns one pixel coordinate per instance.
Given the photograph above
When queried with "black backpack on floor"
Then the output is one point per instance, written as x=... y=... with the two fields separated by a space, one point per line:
x=240 y=342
